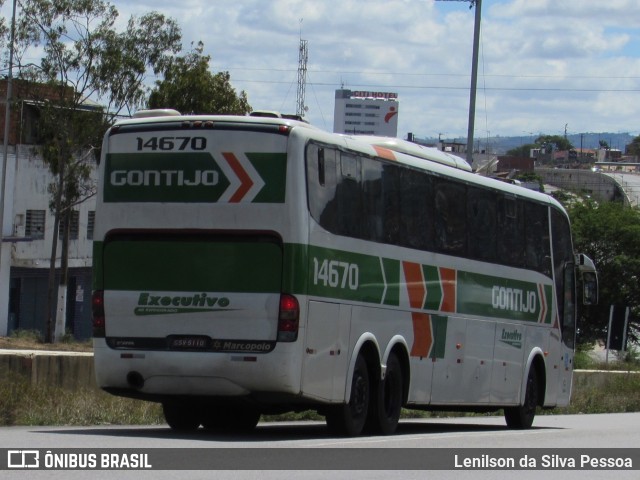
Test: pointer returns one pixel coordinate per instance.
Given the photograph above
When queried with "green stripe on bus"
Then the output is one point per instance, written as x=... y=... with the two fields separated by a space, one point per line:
x=392 y=276
x=194 y=177
x=307 y=270
x=439 y=325
x=433 y=299
x=490 y=296
x=162 y=177
x=272 y=167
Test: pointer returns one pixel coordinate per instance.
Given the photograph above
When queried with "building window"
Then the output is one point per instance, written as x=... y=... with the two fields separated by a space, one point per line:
x=91 y=218
x=73 y=228
x=373 y=107
x=354 y=105
x=34 y=225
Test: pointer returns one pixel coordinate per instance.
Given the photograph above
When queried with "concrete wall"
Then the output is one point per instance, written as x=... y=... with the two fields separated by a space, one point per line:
x=596 y=184
x=73 y=371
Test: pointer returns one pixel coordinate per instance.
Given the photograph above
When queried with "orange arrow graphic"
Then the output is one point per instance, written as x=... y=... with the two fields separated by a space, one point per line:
x=245 y=180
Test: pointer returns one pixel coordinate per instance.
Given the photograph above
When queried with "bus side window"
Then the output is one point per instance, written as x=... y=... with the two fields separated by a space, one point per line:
x=510 y=221
x=481 y=224
x=321 y=186
x=537 y=239
x=349 y=197
x=416 y=210
x=451 y=217
x=393 y=207
x=321 y=177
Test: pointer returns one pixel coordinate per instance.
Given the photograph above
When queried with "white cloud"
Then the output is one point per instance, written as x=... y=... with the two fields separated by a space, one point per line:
x=544 y=63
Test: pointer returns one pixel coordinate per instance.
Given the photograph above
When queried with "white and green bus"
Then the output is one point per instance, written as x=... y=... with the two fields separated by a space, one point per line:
x=253 y=265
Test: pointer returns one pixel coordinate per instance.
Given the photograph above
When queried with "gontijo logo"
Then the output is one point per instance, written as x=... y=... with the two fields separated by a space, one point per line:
x=156 y=178
x=514 y=299
x=195 y=177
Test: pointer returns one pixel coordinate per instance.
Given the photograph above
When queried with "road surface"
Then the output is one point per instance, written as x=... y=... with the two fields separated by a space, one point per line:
x=304 y=451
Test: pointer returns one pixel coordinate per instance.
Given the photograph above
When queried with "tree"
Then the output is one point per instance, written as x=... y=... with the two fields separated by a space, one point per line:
x=84 y=57
x=523 y=150
x=609 y=233
x=634 y=147
x=189 y=87
x=558 y=142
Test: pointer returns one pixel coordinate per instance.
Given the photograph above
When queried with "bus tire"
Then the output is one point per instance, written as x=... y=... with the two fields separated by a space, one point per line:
x=387 y=404
x=349 y=419
x=231 y=420
x=181 y=416
x=522 y=416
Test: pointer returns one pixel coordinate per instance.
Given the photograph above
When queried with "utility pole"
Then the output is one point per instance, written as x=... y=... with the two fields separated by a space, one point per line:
x=474 y=74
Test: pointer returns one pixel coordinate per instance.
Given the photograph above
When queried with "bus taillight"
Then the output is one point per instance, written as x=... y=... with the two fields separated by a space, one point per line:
x=97 y=309
x=288 y=318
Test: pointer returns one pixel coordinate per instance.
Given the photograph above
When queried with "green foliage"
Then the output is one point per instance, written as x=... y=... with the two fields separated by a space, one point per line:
x=27 y=335
x=634 y=147
x=190 y=87
x=25 y=404
x=523 y=150
x=609 y=233
x=558 y=142
x=620 y=393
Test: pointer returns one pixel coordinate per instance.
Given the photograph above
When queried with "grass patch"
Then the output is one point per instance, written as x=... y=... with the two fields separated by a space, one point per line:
x=620 y=393
x=23 y=404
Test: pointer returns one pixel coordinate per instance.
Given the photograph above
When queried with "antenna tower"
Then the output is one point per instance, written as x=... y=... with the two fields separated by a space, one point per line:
x=302 y=77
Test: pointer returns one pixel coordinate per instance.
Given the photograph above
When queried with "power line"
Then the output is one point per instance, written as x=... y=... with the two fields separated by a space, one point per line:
x=450 y=87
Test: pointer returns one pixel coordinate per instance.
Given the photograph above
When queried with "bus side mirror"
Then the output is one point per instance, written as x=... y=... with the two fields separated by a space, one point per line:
x=589 y=279
x=589 y=288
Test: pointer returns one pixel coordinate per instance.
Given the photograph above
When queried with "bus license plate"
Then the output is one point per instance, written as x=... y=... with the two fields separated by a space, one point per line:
x=189 y=342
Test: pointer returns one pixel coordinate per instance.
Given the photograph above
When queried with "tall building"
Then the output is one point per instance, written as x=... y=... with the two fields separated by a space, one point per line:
x=366 y=113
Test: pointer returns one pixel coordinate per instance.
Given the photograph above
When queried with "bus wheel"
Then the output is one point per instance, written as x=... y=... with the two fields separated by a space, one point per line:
x=388 y=400
x=182 y=416
x=522 y=416
x=231 y=420
x=349 y=419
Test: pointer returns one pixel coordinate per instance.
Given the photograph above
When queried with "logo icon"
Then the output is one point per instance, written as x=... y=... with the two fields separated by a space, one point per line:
x=23 y=459
x=390 y=114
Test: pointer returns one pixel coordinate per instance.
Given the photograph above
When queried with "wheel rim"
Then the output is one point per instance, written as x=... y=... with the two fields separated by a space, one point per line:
x=360 y=396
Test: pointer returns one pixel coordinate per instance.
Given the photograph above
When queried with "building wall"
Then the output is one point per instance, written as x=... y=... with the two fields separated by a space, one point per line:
x=28 y=181
x=366 y=113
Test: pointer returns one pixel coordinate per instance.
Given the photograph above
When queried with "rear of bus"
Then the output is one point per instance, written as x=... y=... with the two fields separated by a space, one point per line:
x=193 y=261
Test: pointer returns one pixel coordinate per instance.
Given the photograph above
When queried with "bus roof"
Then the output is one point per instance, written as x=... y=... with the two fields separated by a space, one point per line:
x=404 y=151
x=415 y=150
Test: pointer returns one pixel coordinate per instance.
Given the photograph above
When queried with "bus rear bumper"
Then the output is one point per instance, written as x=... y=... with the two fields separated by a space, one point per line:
x=161 y=373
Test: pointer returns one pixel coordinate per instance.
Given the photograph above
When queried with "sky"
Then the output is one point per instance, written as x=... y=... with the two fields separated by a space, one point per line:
x=545 y=66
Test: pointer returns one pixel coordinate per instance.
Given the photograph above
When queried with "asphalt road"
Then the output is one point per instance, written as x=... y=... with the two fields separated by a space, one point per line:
x=306 y=450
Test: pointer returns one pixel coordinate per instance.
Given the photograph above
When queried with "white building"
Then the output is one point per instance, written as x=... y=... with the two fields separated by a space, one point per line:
x=26 y=248
x=27 y=232
x=366 y=113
